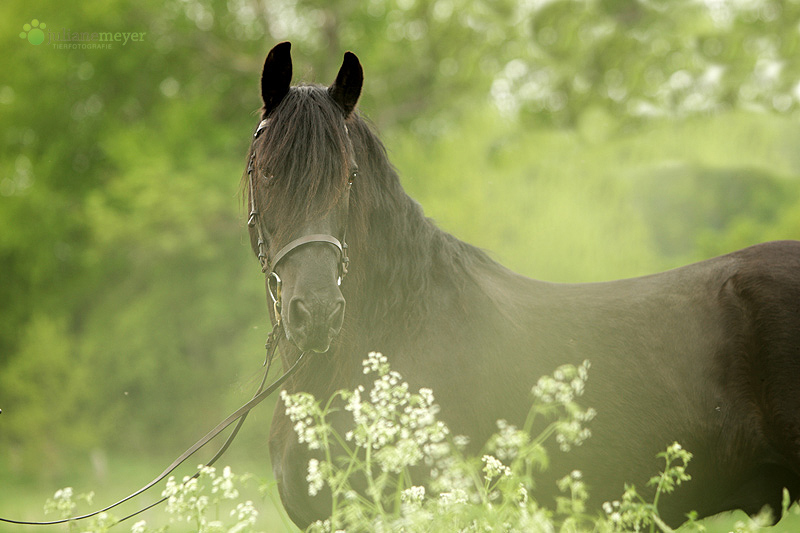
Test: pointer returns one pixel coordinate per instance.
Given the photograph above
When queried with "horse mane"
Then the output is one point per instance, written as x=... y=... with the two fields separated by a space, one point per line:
x=404 y=252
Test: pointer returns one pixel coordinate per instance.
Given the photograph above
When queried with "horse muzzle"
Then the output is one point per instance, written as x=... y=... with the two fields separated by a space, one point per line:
x=313 y=322
x=312 y=310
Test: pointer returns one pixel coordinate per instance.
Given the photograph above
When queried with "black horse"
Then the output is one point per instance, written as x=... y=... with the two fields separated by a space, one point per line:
x=707 y=355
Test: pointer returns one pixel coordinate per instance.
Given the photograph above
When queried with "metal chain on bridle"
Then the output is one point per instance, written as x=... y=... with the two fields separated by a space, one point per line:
x=274 y=288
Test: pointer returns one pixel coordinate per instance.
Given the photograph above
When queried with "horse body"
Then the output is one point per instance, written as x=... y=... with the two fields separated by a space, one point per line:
x=706 y=355
x=691 y=355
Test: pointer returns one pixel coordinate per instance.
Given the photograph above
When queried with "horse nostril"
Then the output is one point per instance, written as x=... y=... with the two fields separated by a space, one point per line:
x=299 y=315
x=336 y=316
x=313 y=324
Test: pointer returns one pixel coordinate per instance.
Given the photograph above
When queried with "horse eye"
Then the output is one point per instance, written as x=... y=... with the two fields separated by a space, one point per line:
x=260 y=128
x=353 y=175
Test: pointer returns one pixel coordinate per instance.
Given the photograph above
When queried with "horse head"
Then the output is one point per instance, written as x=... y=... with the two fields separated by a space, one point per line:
x=300 y=172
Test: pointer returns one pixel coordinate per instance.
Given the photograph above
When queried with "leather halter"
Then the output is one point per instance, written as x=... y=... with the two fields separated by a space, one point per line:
x=308 y=239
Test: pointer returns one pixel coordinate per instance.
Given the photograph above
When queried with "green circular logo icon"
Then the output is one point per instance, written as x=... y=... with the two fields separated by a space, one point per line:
x=33 y=32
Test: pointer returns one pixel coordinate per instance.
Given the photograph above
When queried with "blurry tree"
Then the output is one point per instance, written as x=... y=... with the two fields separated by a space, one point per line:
x=553 y=58
x=652 y=58
x=123 y=290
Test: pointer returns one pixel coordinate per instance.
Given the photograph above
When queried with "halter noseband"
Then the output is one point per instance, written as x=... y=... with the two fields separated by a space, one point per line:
x=273 y=280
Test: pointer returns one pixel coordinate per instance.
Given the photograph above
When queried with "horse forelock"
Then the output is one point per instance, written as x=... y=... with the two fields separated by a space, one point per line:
x=300 y=160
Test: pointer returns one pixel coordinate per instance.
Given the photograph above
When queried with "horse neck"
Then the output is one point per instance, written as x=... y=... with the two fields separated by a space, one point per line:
x=405 y=267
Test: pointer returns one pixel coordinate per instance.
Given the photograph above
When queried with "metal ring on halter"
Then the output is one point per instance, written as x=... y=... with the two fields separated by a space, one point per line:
x=275 y=293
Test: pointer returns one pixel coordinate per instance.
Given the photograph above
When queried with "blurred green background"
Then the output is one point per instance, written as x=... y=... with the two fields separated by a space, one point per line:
x=575 y=140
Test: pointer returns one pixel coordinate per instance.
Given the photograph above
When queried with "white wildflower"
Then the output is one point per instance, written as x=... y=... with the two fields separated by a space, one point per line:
x=314 y=477
x=225 y=485
x=376 y=362
x=460 y=441
x=522 y=495
x=507 y=443
x=413 y=494
x=63 y=494
x=246 y=514
x=493 y=467
x=449 y=499
x=320 y=526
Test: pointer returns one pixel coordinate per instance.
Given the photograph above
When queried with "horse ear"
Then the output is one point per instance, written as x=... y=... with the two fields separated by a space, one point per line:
x=347 y=87
x=276 y=76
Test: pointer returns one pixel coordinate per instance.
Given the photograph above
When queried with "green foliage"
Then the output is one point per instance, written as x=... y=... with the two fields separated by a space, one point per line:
x=121 y=230
x=46 y=387
x=644 y=59
x=633 y=513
